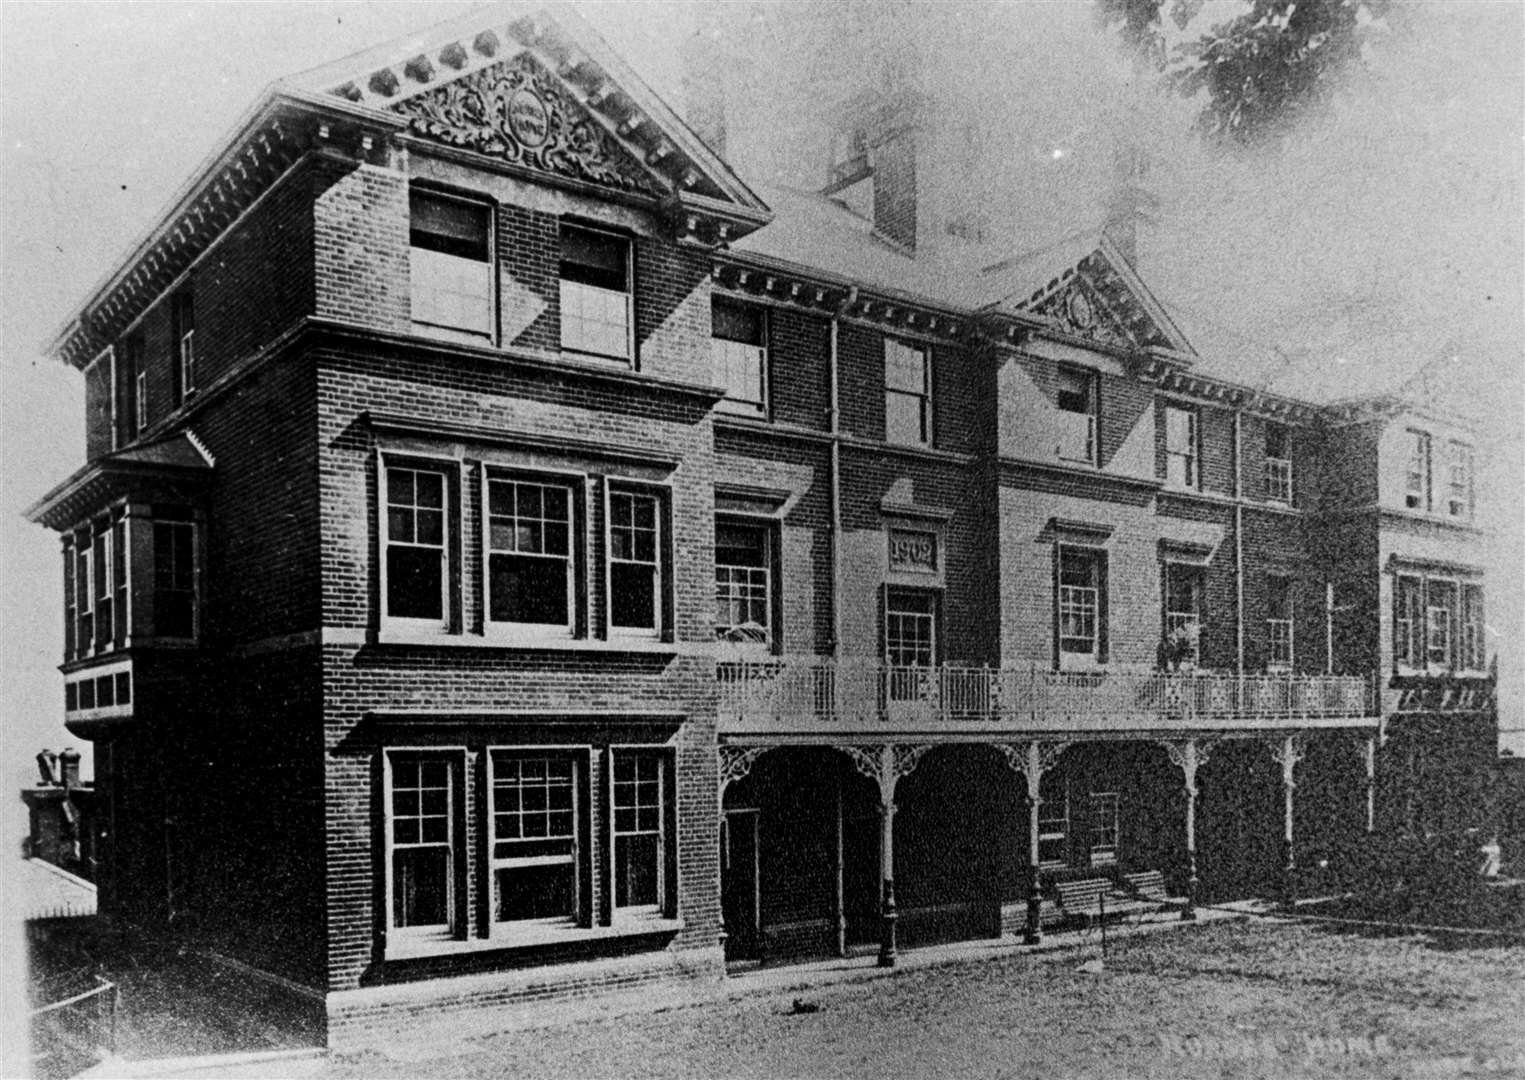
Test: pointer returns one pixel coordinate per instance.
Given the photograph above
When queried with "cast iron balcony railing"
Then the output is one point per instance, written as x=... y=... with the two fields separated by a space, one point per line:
x=805 y=693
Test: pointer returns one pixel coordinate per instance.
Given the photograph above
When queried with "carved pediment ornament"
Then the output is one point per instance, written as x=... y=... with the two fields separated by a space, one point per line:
x=1080 y=311
x=519 y=112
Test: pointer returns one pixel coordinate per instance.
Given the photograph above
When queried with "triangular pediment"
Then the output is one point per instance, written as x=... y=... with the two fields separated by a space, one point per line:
x=1086 y=289
x=517 y=111
x=544 y=92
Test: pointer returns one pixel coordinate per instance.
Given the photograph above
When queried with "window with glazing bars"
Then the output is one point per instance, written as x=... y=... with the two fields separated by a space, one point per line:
x=907 y=394
x=534 y=837
x=415 y=541
x=1279 y=621
x=639 y=845
x=743 y=582
x=422 y=808
x=635 y=571
x=529 y=554
x=1278 y=463
x=1079 y=601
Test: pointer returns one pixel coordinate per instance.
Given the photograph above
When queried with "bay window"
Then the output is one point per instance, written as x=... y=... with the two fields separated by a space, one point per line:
x=450 y=267
x=1440 y=611
x=174 y=600
x=1474 y=644
x=595 y=293
x=530 y=554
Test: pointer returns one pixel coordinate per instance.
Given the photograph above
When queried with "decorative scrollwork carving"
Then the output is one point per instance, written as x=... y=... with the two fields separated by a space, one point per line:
x=1188 y=755
x=519 y=112
x=885 y=764
x=735 y=763
x=1032 y=760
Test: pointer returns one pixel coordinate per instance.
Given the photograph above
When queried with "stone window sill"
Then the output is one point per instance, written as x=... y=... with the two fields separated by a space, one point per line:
x=531 y=937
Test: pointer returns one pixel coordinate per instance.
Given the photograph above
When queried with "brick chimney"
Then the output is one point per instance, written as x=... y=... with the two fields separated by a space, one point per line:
x=876 y=146
x=1131 y=204
x=703 y=58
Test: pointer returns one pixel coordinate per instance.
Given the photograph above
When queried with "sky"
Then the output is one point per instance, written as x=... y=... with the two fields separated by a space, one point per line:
x=1385 y=239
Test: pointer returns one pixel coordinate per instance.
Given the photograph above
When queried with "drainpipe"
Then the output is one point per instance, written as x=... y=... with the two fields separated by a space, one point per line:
x=836 y=474
x=1239 y=541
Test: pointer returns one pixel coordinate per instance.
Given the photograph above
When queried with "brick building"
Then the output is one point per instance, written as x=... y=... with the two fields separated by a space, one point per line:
x=515 y=555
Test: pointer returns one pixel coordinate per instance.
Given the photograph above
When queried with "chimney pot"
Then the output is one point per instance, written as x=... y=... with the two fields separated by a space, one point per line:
x=47 y=767
x=68 y=760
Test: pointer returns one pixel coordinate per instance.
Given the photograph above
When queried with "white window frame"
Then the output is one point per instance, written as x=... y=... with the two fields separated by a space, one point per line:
x=188 y=363
x=454 y=758
x=1073 y=600
x=910 y=681
x=1089 y=454
x=579 y=757
x=1278 y=486
x=575 y=345
x=1281 y=644
x=1474 y=628
x=1190 y=619
x=105 y=583
x=430 y=273
x=573 y=486
x=660 y=496
x=448 y=470
x=1054 y=827
x=84 y=590
x=140 y=399
x=1409 y=622
x=728 y=353
x=1190 y=456
x=153 y=526
x=666 y=829
x=1105 y=854
x=1441 y=629
x=923 y=397
x=726 y=575
x=1418 y=483
x=1459 y=480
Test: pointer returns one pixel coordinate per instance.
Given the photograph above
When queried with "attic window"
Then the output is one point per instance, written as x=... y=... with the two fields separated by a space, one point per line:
x=595 y=293
x=450 y=263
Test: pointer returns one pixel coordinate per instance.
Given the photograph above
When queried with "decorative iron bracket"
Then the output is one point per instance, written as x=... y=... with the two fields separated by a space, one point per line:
x=735 y=763
x=1188 y=755
x=1032 y=760
x=885 y=764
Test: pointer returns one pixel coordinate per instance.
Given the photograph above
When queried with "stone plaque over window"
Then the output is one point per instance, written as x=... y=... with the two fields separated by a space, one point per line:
x=913 y=550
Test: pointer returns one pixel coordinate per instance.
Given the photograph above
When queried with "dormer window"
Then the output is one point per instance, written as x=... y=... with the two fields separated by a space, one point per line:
x=595 y=294
x=450 y=264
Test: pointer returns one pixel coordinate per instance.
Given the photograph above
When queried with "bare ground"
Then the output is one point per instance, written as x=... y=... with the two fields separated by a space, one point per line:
x=1226 y=1000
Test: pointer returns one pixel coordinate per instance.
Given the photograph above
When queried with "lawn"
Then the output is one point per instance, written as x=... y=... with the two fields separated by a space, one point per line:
x=1229 y=999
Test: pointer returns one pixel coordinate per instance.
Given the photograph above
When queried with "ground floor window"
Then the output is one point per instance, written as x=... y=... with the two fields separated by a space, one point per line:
x=421 y=800
x=1104 y=805
x=507 y=842
x=1054 y=823
x=639 y=851
x=535 y=831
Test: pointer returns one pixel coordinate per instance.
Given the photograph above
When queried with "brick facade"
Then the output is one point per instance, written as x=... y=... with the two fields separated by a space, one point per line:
x=250 y=771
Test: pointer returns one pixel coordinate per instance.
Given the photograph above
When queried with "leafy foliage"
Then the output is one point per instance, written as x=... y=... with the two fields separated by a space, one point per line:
x=1276 y=62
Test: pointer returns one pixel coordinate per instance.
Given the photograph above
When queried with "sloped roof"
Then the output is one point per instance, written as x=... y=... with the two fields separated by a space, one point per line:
x=175 y=464
x=45 y=891
x=818 y=232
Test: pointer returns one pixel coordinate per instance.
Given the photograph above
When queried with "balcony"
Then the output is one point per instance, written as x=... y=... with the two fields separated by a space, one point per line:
x=812 y=695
